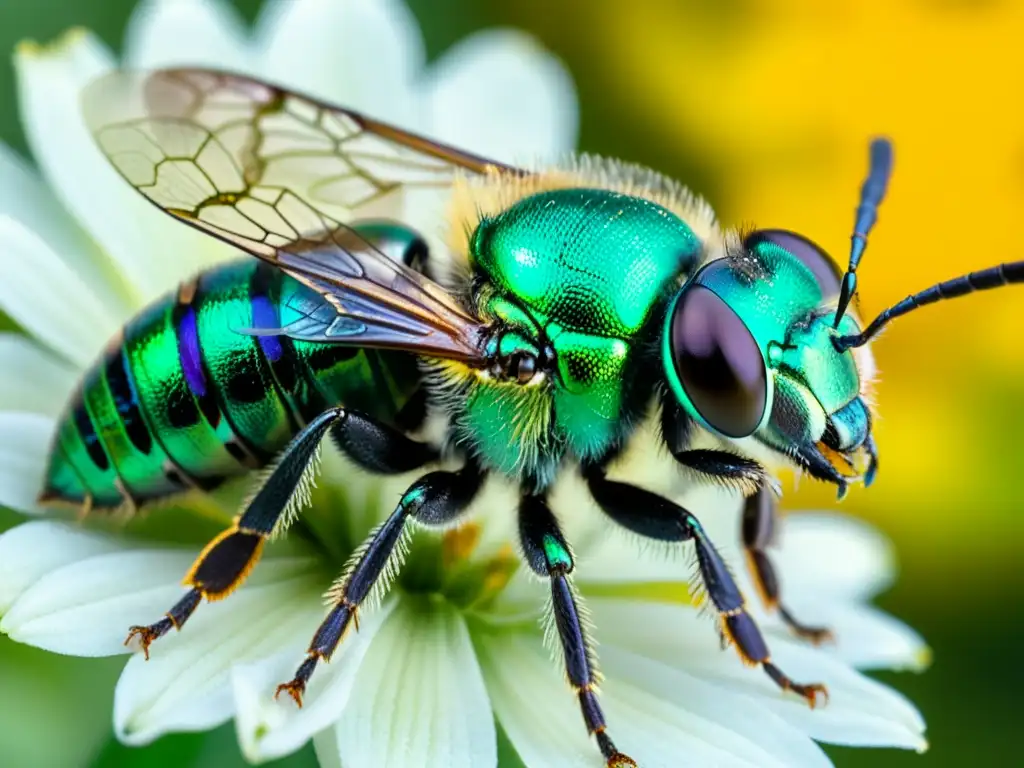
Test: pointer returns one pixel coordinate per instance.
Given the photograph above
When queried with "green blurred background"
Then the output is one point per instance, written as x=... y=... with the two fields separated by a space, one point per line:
x=765 y=107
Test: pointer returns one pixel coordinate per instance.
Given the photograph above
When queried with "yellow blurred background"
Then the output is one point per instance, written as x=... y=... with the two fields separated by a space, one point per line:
x=766 y=107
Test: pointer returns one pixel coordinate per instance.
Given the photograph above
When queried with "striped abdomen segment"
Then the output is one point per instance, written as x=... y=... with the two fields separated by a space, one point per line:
x=182 y=399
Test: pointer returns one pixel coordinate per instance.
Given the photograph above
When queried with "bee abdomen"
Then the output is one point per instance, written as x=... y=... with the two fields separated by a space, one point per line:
x=180 y=400
x=183 y=399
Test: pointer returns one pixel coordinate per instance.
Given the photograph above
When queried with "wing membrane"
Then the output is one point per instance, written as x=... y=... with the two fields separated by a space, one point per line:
x=277 y=174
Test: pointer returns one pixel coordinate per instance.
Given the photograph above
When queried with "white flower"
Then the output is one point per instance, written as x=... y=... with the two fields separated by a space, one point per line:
x=455 y=651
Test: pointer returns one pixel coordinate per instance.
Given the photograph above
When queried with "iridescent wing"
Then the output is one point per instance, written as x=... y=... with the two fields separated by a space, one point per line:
x=277 y=174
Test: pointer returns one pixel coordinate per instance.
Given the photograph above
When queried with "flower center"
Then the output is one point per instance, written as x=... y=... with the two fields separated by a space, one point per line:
x=446 y=565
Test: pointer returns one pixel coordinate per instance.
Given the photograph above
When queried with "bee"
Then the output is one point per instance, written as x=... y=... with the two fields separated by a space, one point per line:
x=564 y=306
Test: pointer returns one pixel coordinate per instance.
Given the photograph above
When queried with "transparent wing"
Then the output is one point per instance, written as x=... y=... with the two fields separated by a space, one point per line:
x=277 y=174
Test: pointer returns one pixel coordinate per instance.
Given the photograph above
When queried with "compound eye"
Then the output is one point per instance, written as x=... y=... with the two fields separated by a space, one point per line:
x=826 y=272
x=522 y=368
x=718 y=363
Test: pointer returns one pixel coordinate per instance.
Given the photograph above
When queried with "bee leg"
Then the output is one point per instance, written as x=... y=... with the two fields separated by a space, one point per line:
x=725 y=467
x=654 y=516
x=226 y=561
x=758 y=511
x=548 y=555
x=759 y=521
x=719 y=466
x=436 y=500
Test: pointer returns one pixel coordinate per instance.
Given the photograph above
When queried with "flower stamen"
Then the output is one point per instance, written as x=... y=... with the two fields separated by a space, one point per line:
x=459 y=543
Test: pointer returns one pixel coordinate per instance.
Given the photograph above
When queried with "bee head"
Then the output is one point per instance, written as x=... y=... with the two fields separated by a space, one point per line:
x=759 y=344
x=748 y=350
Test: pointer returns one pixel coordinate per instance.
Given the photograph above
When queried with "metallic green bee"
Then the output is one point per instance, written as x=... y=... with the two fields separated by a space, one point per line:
x=565 y=307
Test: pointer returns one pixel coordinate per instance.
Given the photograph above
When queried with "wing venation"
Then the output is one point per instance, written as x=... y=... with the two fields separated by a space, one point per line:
x=278 y=174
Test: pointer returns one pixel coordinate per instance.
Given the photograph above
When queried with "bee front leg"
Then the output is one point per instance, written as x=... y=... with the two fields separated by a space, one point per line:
x=547 y=553
x=718 y=466
x=654 y=516
x=759 y=520
x=759 y=515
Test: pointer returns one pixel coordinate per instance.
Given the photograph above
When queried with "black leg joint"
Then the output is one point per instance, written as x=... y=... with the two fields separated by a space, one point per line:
x=333 y=627
x=747 y=636
x=439 y=498
x=544 y=546
x=185 y=607
x=592 y=714
x=379 y=448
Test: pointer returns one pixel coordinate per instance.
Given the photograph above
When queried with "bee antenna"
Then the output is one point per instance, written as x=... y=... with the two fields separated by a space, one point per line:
x=982 y=280
x=871 y=194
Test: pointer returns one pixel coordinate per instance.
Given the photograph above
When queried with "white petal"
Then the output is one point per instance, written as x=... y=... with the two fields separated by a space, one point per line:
x=151 y=249
x=32 y=379
x=831 y=554
x=860 y=710
x=362 y=54
x=656 y=714
x=186 y=684
x=499 y=94
x=164 y=33
x=419 y=697
x=24 y=445
x=84 y=608
x=32 y=550
x=43 y=293
x=26 y=199
x=524 y=685
x=686 y=708
x=865 y=637
x=326 y=747
x=619 y=557
x=269 y=728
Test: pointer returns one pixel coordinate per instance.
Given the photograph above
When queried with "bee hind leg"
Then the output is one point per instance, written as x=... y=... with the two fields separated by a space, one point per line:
x=227 y=560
